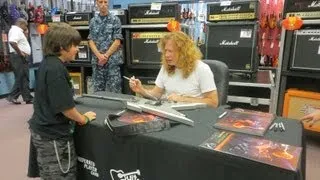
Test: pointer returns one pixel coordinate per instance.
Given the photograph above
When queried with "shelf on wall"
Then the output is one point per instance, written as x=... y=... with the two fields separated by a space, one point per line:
x=81 y=27
x=78 y=64
x=301 y=74
x=267 y=68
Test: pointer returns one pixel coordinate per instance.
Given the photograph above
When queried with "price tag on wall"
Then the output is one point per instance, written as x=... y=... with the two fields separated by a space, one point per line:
x=56 y=18
x=82 y=55
x=225 y=3
x=246 y=33
x=156 y=6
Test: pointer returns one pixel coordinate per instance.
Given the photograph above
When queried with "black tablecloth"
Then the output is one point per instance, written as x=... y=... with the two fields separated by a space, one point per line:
x=171 y=154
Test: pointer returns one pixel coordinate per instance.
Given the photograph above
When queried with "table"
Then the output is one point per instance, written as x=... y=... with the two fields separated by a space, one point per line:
x=171 y=154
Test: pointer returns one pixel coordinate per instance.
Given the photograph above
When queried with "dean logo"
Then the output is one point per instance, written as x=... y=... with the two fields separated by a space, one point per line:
x=148 y=41
x=231 y=9
x=314 y=4
x=314 y=39
x=120 y=175
x=77 y=18
x=229 y=43
x=151 y=12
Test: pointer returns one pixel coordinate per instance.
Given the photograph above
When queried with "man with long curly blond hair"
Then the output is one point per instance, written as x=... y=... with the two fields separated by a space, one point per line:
x=183 y=76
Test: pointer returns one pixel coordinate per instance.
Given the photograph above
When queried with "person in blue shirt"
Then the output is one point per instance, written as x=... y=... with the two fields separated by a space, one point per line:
x=105 y=43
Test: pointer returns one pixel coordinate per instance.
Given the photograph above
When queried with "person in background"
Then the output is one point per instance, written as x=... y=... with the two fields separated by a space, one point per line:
x=183 y=76
x=105 y=41
x=313 y=118
x=20 y=49
x=54 y=116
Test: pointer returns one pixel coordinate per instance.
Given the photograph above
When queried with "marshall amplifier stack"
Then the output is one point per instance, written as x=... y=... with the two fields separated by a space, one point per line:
x=78 y=19
x=305 y=50
x=143 y=14
x=232 y=11
x=142 y=48
x=146 y=26
x=233 y=44
x=232 y=34
x=306 y=9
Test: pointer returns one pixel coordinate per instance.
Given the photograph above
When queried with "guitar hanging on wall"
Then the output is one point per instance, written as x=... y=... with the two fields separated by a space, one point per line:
x=272 y=21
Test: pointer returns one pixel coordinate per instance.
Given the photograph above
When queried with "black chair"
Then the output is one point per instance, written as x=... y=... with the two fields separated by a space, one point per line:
x=221 y=77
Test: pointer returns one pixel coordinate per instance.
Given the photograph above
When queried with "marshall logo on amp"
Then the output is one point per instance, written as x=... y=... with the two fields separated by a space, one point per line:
x=231 y=9
x=242 y=10
x=145 y=47
x=305 y=54
x=121 y=175
x=142 y=13
x=306 y=9
x=151 y=12
x=233 y=44
x=229 y=43
x=78 y=19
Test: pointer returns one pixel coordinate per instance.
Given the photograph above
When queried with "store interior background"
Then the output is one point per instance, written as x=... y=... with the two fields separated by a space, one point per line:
x=268 y=46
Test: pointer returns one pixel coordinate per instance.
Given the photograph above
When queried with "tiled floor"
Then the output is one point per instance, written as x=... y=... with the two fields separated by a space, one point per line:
x=14 y=144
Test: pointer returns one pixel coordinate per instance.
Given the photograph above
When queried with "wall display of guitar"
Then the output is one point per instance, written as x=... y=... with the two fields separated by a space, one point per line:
x=269 y=32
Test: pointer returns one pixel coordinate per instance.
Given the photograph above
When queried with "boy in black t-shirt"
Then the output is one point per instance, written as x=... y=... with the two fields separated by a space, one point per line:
x=54 y=116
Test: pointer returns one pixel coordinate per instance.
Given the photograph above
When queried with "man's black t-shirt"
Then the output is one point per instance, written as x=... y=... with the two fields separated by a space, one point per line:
x=53 y=95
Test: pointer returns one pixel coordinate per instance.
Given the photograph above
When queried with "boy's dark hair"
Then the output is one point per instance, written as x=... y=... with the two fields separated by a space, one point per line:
x=60 y=36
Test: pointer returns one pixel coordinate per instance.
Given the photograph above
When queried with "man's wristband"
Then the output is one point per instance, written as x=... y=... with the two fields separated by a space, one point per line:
x=86 y=119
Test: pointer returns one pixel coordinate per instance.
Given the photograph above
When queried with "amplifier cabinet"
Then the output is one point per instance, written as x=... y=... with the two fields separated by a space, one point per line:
x=234 y=44
x=299 y=103
x=142 y=48
x=306 y=9
x=78 y=19
x=84 y=54
x=122 y=14
x=305 y=50
x=49 y=21
x=76 y=80
x=142 y=13
x=232 y=11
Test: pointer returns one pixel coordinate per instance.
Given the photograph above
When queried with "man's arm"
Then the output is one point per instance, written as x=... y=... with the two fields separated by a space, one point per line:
x=82 y=119
x=14 y=45
x=156 y=92
x=210 y=98
x=113 y=48
x=116 y=37
x=312 y=118
x=95 y=51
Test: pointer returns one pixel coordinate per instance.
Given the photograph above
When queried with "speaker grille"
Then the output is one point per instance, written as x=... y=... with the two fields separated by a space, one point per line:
x=144 y=47
x=306 y=50
x=234 y=45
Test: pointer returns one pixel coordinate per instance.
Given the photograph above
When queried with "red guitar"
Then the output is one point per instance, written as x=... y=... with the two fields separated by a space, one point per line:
x=264 y=21
x=272 y=21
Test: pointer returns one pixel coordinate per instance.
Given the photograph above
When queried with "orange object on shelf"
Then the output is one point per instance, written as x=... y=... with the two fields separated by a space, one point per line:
x=292 y=23
x=298 y=103
x=173 y=25
x=42 y=28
